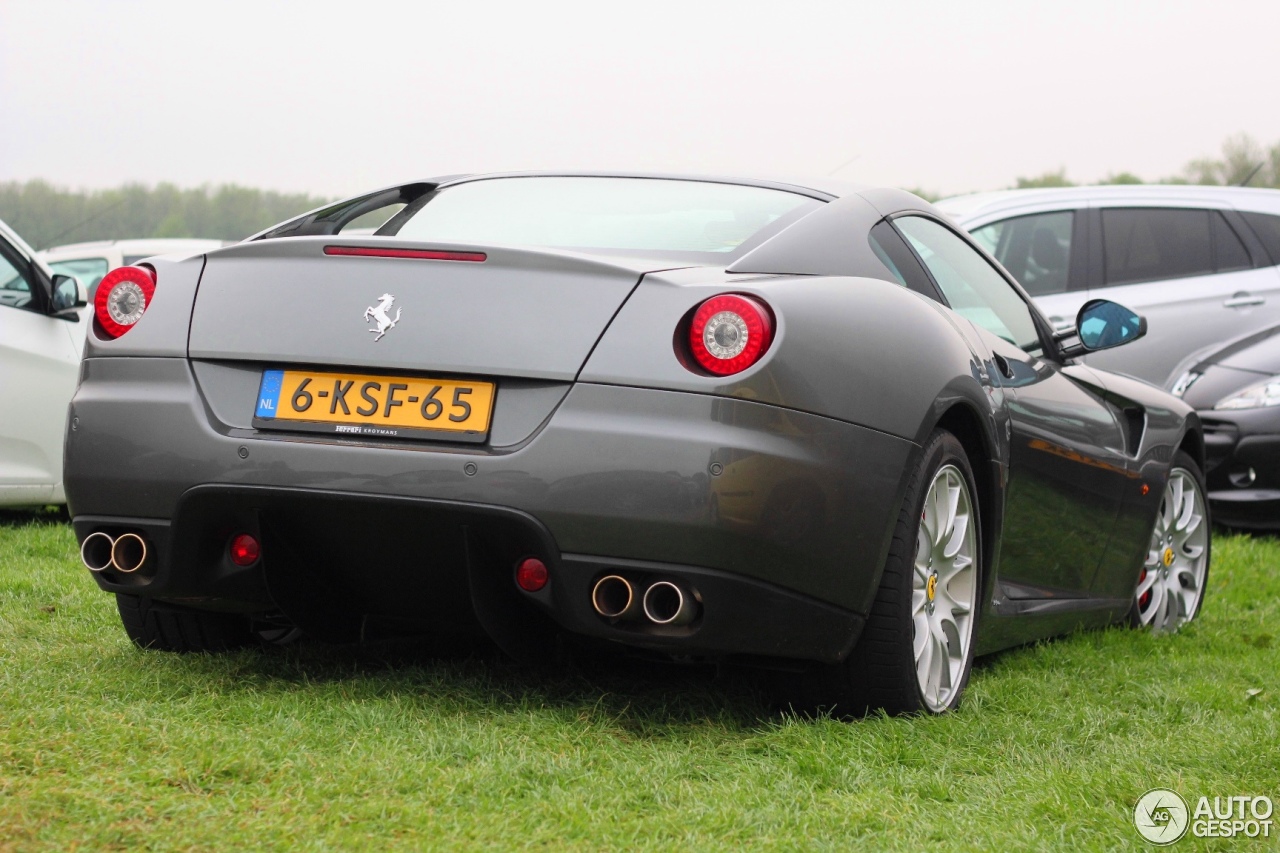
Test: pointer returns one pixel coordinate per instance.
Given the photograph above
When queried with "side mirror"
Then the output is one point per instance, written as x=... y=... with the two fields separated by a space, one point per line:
x=1102 y=324
x=68 y=293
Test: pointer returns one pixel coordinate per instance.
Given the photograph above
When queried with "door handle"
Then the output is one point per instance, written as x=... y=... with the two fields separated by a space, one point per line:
x=1061 y=325
x=1243 y=300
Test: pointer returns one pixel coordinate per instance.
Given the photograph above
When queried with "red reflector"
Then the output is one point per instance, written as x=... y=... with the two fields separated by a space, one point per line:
x=531 y=574
x=245 y=550
x=729 y=333
x=123 y=296
x=418 y=254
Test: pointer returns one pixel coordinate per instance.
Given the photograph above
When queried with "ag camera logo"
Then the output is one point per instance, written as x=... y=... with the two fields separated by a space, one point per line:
x=1161 y=816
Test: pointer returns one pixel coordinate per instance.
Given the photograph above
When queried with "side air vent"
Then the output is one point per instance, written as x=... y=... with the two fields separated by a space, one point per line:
x=1135 y=422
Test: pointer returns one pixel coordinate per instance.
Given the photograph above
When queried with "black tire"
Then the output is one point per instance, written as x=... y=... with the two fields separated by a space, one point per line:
x=165 y=627
x=880 y=672
x=1183 y=461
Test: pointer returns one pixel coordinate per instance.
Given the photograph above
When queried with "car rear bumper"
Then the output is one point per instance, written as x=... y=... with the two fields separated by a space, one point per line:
x=778 y=520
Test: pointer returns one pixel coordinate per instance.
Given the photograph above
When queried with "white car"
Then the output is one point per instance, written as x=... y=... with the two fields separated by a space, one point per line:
x=1201 y=263
x=42 y=328
x=89 y=262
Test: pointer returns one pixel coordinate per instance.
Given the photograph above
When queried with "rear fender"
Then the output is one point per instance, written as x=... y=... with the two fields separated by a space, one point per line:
x=983 y=434
x=162 y=331
x=834 y=354
x=859 y=350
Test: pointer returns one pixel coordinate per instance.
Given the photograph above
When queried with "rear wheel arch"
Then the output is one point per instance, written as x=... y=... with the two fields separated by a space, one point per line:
x=960 y=415
x=964 y=422
x=883 y=670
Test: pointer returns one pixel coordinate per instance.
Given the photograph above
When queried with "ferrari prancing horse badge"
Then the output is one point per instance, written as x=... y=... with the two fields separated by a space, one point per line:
x=378 y=314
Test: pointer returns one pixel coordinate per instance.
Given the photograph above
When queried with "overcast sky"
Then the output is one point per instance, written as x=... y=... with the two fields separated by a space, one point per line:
x=338 y=98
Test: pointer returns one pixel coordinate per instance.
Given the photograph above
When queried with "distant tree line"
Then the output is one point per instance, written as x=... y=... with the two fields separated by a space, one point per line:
x=1243 y=159
x=46 y=215
x=1244 y=162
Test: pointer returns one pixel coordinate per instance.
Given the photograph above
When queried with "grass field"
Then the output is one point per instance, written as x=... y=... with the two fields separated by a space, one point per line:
x=314 y=748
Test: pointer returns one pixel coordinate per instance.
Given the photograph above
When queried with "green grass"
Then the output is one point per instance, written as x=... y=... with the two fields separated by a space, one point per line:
x=314 y=748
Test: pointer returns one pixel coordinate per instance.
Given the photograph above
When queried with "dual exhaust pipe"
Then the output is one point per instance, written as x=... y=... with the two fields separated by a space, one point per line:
x=663 y=602
x=125 y=553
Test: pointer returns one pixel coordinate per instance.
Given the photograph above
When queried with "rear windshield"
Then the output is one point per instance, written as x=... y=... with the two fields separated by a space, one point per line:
x=614 y=214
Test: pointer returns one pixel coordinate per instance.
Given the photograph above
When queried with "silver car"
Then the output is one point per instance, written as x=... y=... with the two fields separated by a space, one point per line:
x=42 y=330
x=1199 y=262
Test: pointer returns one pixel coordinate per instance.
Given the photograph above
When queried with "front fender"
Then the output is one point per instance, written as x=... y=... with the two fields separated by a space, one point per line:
x=1167 y=422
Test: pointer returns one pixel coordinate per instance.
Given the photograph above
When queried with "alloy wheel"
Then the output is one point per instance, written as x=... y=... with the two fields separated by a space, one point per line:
x=1172 y=580
x=944 y=588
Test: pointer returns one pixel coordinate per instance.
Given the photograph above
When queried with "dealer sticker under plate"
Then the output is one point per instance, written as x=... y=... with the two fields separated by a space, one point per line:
x=374 y=406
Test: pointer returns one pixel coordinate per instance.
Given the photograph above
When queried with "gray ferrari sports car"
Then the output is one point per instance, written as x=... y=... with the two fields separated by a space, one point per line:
x=807 y=426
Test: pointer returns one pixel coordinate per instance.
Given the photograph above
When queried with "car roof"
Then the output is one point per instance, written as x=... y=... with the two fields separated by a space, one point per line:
x=830 y=187
x=141 y=246
x=966 y=207
x=821 y=188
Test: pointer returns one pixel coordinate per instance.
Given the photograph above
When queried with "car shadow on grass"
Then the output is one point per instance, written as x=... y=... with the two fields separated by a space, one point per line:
x=49 y=515
x=445 y=674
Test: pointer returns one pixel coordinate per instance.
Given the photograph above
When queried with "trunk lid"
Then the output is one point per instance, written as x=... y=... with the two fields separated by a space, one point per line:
x=530 y=313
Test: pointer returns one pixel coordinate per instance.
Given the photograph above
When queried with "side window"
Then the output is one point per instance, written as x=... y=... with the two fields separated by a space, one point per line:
x=370 y=222
x=1267 y=227
x=15 y=289
x=897 y=258
x=1147 y=244
x=1035 y=249
x=970 y=284
x=1228 y=252
x=90 y=271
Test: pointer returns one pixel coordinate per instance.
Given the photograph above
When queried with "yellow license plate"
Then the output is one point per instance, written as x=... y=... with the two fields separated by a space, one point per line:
x=377 y=406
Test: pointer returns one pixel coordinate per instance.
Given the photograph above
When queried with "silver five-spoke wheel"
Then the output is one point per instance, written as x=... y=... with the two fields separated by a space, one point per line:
x=1172 y=580
x=944 y=588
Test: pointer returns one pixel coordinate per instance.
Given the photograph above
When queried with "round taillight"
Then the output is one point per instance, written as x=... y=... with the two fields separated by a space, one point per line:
x=729 y=333
x=531 y=574
x=245 y=550
x=122 y=298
